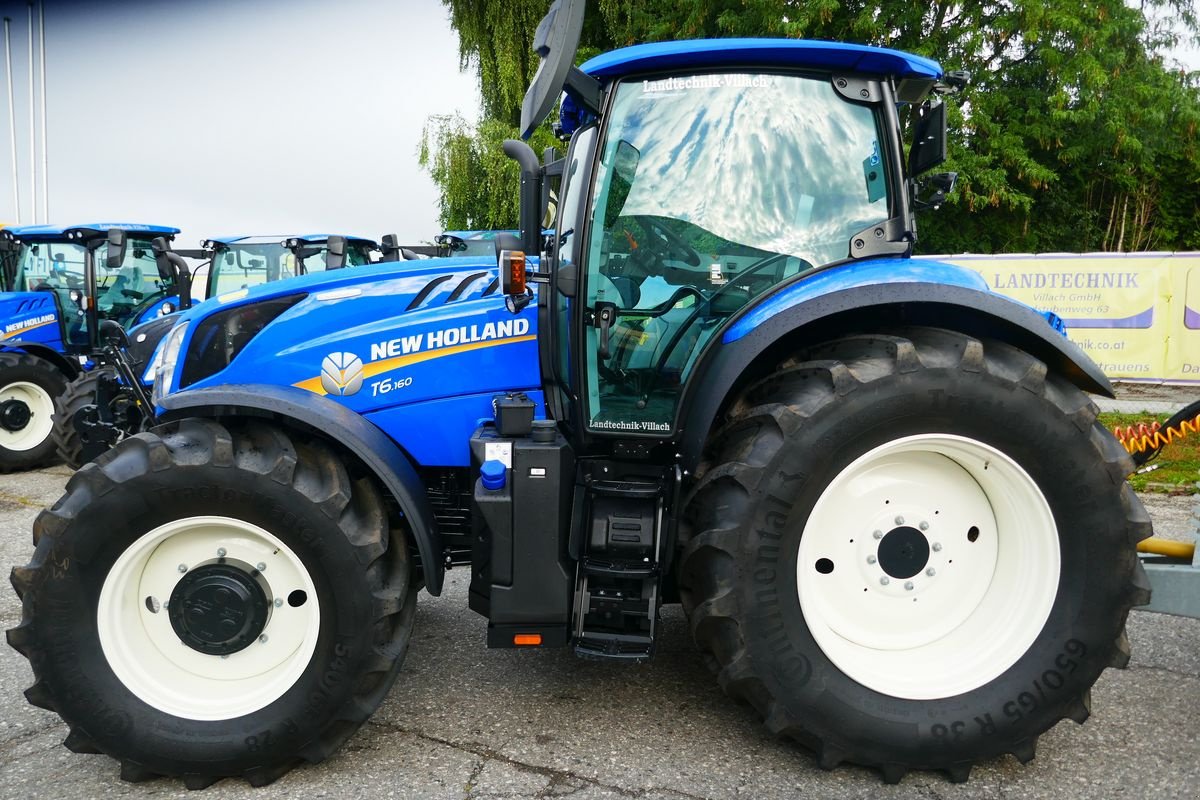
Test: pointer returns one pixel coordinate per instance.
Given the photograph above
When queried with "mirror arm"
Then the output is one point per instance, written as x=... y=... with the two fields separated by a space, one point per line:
x=586 y=89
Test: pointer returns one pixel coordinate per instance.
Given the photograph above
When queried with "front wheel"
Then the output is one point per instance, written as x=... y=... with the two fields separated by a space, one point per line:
x=210 y=601
x=913 y=551
x=28 y=388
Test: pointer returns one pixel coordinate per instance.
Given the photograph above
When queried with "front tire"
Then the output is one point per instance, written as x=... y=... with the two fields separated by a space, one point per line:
x=73 y=447
x=28 y=388
x=210 y=602
x=913 y=551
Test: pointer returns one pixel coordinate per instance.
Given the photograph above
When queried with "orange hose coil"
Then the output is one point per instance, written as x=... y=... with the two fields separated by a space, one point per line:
x=1151 y=437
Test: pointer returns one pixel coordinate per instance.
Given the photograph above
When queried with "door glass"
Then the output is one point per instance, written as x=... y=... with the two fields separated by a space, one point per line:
x=574 y=192
x=711 y=190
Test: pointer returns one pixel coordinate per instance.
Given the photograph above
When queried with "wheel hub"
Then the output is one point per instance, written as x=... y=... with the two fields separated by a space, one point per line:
x=14 y=415
x=903 y=552
x=218 y=609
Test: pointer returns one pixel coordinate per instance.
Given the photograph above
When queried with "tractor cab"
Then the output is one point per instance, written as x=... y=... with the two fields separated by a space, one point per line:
x=239 y=262
x=702 y=176
x=89 y=273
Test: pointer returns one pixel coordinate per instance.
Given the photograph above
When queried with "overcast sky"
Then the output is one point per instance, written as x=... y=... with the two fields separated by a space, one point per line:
x=238 y=116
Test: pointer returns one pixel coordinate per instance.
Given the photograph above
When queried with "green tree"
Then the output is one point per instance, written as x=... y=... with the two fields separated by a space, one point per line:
x=1074 y=134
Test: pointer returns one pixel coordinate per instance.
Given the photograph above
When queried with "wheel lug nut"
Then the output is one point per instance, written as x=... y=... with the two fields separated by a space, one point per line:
x=899 y=520
x=908 y=585
x=937 y=547
x=183 y=568
x=878 y=534
x=924 y=526
x=885 y=580
x=261 y=567
x=221 y=552
x=931 y=572
x=871 y=559
x=262 y=639
x=278 y=602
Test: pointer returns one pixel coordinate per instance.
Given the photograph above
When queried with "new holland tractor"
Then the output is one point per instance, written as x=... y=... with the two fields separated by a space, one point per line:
x=877 y=488
x=61 y=288
x=111 y=400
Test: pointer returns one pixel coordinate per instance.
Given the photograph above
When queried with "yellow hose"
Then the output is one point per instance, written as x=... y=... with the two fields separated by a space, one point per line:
x=1166 y=547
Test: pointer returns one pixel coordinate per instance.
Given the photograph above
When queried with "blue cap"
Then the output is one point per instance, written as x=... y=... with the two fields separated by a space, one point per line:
x=492 y=475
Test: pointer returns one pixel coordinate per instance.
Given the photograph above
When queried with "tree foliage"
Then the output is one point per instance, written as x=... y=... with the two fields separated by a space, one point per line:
x=1074 y=135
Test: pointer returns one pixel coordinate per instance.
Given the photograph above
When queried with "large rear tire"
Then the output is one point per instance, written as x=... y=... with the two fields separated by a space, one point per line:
x=28 y=388
x=208 y=602
x=913 y=551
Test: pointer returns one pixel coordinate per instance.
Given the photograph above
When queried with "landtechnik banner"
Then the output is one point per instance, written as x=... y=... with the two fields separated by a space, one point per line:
x=1136 y=314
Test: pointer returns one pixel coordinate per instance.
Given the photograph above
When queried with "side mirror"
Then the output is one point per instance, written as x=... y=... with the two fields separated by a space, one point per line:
x=114 y=255
x=929 y=140
x=390 y=247
x=335 y=252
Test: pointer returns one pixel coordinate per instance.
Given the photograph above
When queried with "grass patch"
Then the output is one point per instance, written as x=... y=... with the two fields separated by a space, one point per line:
x=1178 y=465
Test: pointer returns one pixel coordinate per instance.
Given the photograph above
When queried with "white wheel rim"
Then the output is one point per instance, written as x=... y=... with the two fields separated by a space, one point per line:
x=977 y=604
x=41 y=416
x=148 y=656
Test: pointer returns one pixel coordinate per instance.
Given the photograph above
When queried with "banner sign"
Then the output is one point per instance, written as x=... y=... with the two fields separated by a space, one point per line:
x=1136 y=314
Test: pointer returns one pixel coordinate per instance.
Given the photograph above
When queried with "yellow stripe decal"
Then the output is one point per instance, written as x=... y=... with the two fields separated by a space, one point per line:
x=389 y=364
x=19 y=331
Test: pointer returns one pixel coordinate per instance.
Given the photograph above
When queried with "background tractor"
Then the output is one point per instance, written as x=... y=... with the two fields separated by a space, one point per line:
x=877 y=488
x=111 y=400
x=59 y=293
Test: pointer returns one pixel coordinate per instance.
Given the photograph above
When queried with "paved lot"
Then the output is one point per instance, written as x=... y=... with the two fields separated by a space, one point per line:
x=465 y=722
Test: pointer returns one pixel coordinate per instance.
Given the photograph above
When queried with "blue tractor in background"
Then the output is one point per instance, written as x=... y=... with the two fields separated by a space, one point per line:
x=62 y=284
x=111 y=399
x=878 y=489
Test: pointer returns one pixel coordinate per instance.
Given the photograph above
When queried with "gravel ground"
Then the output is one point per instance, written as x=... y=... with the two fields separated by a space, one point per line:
x=465 y=722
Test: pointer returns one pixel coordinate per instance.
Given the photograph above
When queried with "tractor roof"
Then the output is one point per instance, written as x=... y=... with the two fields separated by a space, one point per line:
x=308 y=237
x=89 y=230
x=761 y=53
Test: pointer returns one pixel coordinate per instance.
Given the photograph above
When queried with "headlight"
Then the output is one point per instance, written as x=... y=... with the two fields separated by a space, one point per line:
x=152 y=370
x=164 y=362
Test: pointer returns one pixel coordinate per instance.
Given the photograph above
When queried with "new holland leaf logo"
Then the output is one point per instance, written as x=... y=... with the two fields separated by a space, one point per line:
x=341 y=373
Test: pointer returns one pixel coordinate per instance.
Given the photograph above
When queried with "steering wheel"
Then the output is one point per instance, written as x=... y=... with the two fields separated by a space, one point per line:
x=675 y=243
x=136 y=295
x=687 y=323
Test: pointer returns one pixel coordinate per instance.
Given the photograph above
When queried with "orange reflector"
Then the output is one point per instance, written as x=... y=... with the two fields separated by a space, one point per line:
x=527 y=639
x=512 y=272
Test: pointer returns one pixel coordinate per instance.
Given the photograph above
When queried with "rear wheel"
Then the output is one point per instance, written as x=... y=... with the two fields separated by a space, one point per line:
x=208 y=602
x=913 y=551
x=28 y=387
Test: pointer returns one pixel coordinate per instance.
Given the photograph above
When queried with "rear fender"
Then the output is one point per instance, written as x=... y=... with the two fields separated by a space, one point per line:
x=65 y=364
x=797 y=317
x=319 y=416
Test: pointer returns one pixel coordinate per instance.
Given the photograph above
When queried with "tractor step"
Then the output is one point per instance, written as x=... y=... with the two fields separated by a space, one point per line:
x=619 y=573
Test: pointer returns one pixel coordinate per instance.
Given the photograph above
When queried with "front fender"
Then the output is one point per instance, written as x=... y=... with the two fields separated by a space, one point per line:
x=331 y=421
x=830 y=304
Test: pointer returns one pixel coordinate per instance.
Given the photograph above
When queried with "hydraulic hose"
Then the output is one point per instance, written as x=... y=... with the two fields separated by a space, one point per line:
x=1167 y=547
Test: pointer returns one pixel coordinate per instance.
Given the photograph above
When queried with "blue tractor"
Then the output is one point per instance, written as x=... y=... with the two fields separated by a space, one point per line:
x=111 y=400
x=877 y=488
x=63 y=284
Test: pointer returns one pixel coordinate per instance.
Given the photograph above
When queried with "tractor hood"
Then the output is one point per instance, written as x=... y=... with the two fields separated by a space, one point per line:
x=374 y=337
